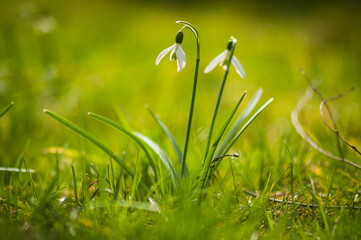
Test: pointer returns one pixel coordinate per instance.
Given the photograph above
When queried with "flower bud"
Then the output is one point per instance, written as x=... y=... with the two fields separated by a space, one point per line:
x=179 y=37
x=229 y=45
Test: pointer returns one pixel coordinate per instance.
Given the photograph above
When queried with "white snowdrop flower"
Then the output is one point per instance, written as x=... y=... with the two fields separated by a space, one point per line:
x=176 y=54
x=222 y=60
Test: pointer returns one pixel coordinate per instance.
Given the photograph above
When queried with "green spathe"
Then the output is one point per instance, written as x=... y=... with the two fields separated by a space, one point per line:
x=179 y=37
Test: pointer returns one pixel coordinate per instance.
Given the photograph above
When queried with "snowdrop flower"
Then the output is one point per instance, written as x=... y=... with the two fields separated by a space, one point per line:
x=222 y=60
x=176 y=54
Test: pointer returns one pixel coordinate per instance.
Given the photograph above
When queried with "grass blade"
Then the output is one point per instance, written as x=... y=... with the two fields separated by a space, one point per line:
x=140 y=139
x=18 y=160
x=6 y=109
x=94 y=140
x=130 y=134
x=315 y=198
x=138 y=176
x=117 y=186
x=219 y=153
x=74 y=185
x=31 y=180
x=17 y=166
x=162 y=155
x=296 y=170
x=169 y=135
x=17 y=170
x=248 y=109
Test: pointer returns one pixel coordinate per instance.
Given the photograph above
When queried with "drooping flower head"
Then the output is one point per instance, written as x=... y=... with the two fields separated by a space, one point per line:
x=177 y=52
x=223 y=58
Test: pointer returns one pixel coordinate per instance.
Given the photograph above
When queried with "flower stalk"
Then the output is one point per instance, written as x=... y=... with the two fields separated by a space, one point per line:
x=231 y=45
x=209 y=156
x=184 y=156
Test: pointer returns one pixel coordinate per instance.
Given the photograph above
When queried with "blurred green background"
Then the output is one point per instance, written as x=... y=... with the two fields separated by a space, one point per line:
x=77 y=56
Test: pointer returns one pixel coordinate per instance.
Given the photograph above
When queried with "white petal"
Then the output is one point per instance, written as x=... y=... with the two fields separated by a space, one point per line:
x=162 y=54
x=214 y=62
x=237 y=65
x=181 y=58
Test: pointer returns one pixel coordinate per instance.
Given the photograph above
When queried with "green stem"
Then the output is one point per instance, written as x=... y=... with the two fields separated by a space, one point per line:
x=193 y=29
x=190 y=117
x=215 y=114
x=234 y=42
x=208 y=156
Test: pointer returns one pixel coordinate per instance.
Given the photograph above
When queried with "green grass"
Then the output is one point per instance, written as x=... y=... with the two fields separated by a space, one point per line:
x=116 y=172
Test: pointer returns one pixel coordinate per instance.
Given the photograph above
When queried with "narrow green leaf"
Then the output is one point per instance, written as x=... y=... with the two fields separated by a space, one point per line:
x=120 y=116
x=269 y=219
x=74 y=185
x=17 y=170
x=221 y=131
x=330 y=186
x=280 y=177
x=296 y=170
x=94 y=140
x=117 y=186
x=162 y=155
x=31 y=180
x=6 y=109
x=111 y=175
x=137 y=178
x=244 y=128
x=248 y=109
x=18 y=160
x=167 y=132
x=140 y=139
x=94 y=194
x=18 y=164
x=130 y=134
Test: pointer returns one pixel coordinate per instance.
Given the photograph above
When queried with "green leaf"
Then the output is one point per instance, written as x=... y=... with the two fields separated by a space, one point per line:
x=117 y=186
x=127 y=132
x=163 y=156
x=140 y=139
x=74 y=185
x=31 y=180
x=169 y=135
x=220 y=153
x=95 y=141
x=248 y=109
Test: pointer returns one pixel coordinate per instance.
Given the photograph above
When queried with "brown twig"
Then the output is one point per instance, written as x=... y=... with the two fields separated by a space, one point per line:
x=296 y=203
x=90 y=182
x=323 y=103
x=328 y=110
x=295 y=122
x=94 y=182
